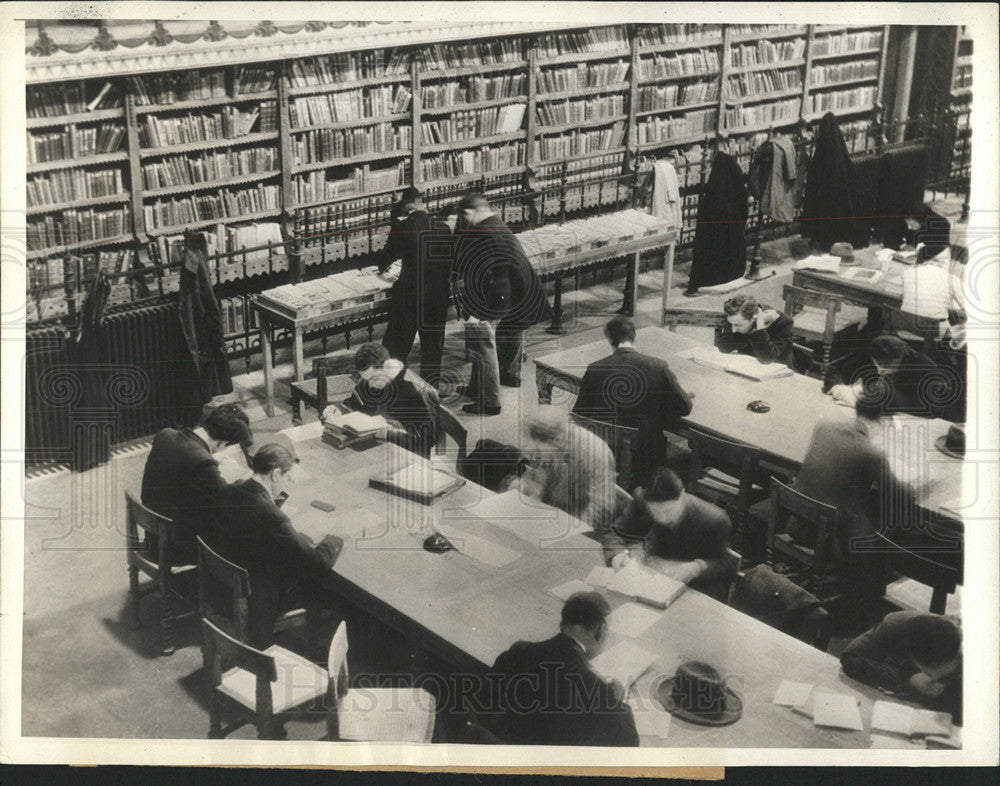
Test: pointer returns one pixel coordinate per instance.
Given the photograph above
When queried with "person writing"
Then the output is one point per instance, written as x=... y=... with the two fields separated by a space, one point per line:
x=753 y=329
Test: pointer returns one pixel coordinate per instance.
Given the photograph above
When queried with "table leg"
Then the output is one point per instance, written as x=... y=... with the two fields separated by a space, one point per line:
x=631 y=293
x=556 y=327
x=668 y=278
x=265 y=347
x=299 y=359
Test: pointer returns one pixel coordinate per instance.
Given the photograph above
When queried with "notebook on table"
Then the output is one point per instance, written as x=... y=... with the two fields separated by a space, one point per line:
x=892 y=718
x=646 y=586
x=418 y=481
x=741 y=365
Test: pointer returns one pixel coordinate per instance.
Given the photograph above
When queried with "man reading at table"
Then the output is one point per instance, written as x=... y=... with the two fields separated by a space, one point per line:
x=545 y=693
x=629 y=388
x=285 y=568
x=675 y=533
x=754 y=329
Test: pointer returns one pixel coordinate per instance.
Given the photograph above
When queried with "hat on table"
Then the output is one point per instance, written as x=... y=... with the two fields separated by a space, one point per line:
x=953 y=443
x=697 y=693
x=843 y=250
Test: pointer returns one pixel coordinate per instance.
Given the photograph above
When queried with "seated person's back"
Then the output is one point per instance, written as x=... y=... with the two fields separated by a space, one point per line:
x=545 y=693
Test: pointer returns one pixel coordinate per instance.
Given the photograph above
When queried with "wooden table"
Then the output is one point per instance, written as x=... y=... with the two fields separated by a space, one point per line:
x=784 y=433
x=887 y=292
x=469 y=612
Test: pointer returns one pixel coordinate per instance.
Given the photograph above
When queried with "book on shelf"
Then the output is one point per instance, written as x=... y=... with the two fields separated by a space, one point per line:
x=595 y=39
x=786 y=109
x=108 y=97
x=436 y=57
x=580 y=110
x=678 y=33
x=822 y=75
x=70 y=185
x=329 y=144
x=213 y=165
x=679 y=64
x=347 y=105
x=436 y=95
x=253 y=79
x=844 y=99
x=75 y=142
x=75 y=225
x=846 y=43
x=765 y=51
x=761 y=82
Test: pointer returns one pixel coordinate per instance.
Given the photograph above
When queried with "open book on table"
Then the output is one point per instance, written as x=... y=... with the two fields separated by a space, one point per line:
x=646 y=586
x=887 y=716
x=741 y=365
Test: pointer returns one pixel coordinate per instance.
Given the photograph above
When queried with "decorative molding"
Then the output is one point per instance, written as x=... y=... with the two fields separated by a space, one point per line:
x=166 y=46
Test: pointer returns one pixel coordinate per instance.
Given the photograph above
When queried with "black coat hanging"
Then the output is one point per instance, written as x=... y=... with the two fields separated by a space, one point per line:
x=720 y=251
x=827 y=211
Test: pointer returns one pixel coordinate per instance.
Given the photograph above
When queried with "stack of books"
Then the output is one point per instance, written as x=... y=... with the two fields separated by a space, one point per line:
x=352 y=427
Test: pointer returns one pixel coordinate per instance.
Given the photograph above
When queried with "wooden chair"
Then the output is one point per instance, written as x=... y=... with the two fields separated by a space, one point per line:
x=329 y=373
x=260 y=687
x=448 y=426
x=169 y=580
x=724 y=473
x=671 y=318
x=785 y=502
x=776 y=601
x=817 y=317
x=943 y=574
x=224 y=599
x=374 y=714
x=622 y=441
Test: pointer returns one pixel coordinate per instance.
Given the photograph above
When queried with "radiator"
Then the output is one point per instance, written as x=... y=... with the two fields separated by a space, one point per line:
x=46 y=426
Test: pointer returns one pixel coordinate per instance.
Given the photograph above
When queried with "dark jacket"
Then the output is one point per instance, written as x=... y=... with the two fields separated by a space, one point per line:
x=252 y=532
x=827 y=209
x=720 y=251
x=181 y=481
x=545 y=693
x=771 y=345
x=631 y=389
x=880 y=658
x=424 y=247
x=91 y=367
x=901 y=185
x=494 y=278
x=201 y=323
x=918 y=388
x=773 y=178
x=703 y=532
x=409 y=401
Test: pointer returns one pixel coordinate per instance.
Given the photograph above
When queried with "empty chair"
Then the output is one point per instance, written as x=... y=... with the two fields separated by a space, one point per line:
x=374 y=714
x=818 y=316
x=169 y=581
x=257 y=687
x=621 y=440
x=224 y=599
x=724 y=473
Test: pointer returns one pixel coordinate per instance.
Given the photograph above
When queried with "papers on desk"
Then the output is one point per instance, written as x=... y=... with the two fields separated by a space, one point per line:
x=793 y=694
x=528 y=519
x=895 y=718
x=741 y=365
x=646 y=586
x=600 y=576
x=233 y=464
x=624 y=662
x=356 y=523
x=836 y=710
x=421 y=478
x=631 y=619
x=650 y=720
x=865 y=274
x=302 y=433
x=480 y=549
x=824 y=263
x=568 y=588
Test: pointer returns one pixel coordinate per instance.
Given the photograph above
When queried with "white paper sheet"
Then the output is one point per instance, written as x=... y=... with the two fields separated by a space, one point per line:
x=647 y=586
x=568 y=588
x=650 y=721
x=480 y=549
x=312 y=430
x=632 y=619
x=837 y=710
x=624 y=662
x=600 y=576
x=792 y=694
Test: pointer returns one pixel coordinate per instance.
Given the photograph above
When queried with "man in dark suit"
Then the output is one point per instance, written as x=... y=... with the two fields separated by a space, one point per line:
x=419 y=297
x=753 y=329
x=628 y=388
x=545 y=693
x=501 y=296
x=181 y=479
x=675 y=533
x=286 y=569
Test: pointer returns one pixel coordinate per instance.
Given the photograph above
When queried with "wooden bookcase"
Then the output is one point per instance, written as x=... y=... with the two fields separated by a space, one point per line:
x=330 y=147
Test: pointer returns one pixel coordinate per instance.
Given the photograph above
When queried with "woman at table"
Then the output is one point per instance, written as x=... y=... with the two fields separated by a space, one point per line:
x=754 y=329
x=388 y=388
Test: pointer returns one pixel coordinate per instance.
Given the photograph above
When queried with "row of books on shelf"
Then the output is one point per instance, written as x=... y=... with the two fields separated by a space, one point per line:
x=843 y=99
x=553 y=113
x=251 y=79
x=761 y=82
x=662 y=129
x=766 y=51
x=346 y=105
x=75 y=142
x=237 y=316
x=69 y=185
x=336 y=68
x=594 y=39
x=845 y=43
x=581 y=75
x=473 y=123
x=749 y=29
x=176 y=86
x=62 y=272
x=438 y=95
x=669 y=34
x=676 y=95
x=787 y=109
x=679 y=64
x=75 y=225
x=576 y=143
x=502 y=50
x=594 y=168
x=466 y=162
x=319 y=185
x=842 y=72
x=963 y=77
x=226 y=203
x=217 y=165
x=328 y=144
x=226 y=123
x=70 y=98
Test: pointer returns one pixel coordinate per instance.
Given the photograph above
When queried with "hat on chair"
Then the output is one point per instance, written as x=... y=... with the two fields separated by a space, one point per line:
x=698 y=694
x=843 y=250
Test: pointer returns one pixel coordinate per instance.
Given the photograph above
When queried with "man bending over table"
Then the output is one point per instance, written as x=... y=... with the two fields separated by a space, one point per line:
x=754 y=329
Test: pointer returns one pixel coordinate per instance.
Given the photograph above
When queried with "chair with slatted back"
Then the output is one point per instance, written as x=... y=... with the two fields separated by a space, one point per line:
x=672 y=318
x=725 y=473
x=170 y=581
x=224 y=599
x=256 y=687
x=786 y=502
x=448 y=426
x=330 y=377
x=374 y=714
x=622 y=441
x=820 y=317
x=943 y=570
